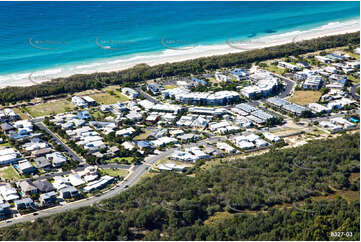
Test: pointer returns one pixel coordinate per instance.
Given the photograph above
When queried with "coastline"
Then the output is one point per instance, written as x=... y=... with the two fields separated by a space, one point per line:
x=230 y=45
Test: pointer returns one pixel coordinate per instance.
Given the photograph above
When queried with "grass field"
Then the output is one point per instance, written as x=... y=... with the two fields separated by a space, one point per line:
x=22 y=113
x=119 y=159
x=98 y=115
x=107 y=98
x=305 y=97
x=56 y=107
x=5 y=144
x=9 y=173
x=354 y=55
x=275 y=69
x=353 y=79
x=114 y=172
x=143 y=136
x=169 y=86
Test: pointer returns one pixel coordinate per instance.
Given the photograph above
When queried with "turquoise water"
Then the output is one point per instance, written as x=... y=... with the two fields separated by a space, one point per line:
x=51 y=35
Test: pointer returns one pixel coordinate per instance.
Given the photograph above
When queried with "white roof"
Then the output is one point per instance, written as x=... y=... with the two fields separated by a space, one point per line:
x=75 y=180
x=146 y=104
x=8 y=151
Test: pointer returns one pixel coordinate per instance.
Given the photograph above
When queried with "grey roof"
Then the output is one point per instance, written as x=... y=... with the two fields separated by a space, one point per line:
x=42 y=151
x=4 y=206
x=47 y=195
x=44 y=185
x=26 y=186
x=70 y=189
x=42 y=162
x=6 y=126
x=27 y=200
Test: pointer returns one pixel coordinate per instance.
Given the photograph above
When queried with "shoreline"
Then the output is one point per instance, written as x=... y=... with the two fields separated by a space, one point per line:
x=172 y=55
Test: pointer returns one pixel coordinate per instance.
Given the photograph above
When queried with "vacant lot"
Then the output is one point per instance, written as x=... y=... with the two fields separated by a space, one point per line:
x=9 y=173
x=56 y=107
x=305 y=97
x=170 y=86
x=114 y=172
x=110 y=97
x=143 y=136
x=275 y=69
x=22 y=114
x=121 y=160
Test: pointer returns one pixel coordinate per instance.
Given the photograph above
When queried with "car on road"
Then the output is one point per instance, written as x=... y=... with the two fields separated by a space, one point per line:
x=35 y=214
x=8 y=221
x=126 y=186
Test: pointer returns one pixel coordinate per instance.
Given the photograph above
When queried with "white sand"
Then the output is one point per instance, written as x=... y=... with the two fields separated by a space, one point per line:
x=176 y=55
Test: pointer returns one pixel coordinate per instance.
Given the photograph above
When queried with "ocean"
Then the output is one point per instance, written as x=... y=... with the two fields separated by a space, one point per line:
x=40 y=40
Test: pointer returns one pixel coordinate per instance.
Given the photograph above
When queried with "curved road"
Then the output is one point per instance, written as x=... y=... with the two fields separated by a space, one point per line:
x=289 y=87
x=131 y=180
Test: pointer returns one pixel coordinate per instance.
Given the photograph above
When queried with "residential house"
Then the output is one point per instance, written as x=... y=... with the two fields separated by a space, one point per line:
x=57 y=158
x=42 y=163
x=69 y=192
x=27 y=187
x=5 y=210
x=99 y=184
x=8 y=156
x=130 y=93
x=41 y=152
x=43 y=185
x=24 y=203
x=83 y=114
x=8 y=193
x=25 y=167
x=90 y=101
x=78 y=101
x=48 y=198
x=7 y=128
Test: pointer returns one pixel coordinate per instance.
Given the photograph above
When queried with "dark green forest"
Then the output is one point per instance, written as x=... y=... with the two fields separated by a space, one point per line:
x=142 y=72
x=265 y=197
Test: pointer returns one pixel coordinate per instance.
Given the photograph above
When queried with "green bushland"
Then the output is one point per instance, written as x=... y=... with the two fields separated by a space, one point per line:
x=258 y=192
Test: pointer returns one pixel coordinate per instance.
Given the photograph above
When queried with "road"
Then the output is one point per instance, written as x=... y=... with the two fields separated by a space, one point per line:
x=289 y=87
x=353 y=92
x=132 y=179
x=147 y=96
x=72 y=154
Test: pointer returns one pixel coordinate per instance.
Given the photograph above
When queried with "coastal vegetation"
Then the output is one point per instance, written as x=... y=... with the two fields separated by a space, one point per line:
x=143 y=72
x=286 y=194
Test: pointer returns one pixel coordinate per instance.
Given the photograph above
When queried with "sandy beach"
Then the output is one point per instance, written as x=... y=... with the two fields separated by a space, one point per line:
x=231 y=45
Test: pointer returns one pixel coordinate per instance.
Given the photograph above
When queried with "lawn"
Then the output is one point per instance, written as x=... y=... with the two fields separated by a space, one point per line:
x=169 y=86
x=56 y=107
x=305 y=97
x=114 y=172
x=9 y=173
x=275 y=69
x=22 y=113
x=353 y=79
x=354 y=55
x=120 y=160
x=143 y=136
x=108 y=98
x=98 y=115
